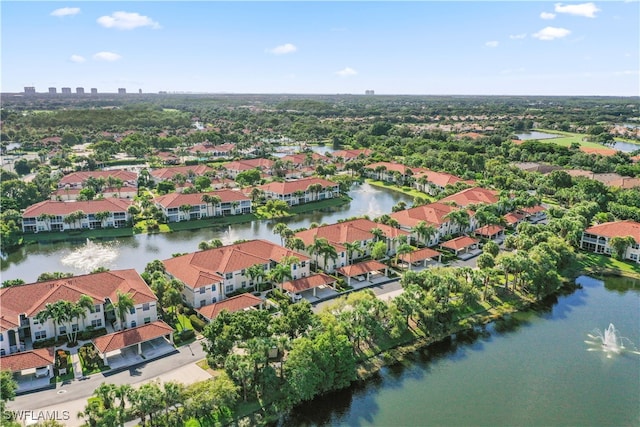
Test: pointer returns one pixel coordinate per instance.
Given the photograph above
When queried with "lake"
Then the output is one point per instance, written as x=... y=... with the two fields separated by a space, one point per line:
x=536 y=135
x=28 y=262
x=532 y=369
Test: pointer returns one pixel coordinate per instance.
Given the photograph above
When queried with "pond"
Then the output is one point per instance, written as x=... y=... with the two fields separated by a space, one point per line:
x=135 y=252
x=625 y=147
x=536 y=135
x=540 y=368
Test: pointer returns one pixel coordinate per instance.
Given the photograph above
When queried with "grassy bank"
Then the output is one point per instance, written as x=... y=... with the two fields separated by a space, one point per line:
x=306 y=207
x=76 y=235
x=411 y=192
x=601 y=265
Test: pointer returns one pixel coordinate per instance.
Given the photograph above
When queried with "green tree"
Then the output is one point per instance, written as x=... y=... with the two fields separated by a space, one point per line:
x=619 y=246
x=123 y=304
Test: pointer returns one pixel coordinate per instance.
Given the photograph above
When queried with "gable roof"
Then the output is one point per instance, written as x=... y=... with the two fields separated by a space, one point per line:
x=132 y=336
x=248 y=164
x=433 y=213
x=52 y=207
x=31 y=298
x=82 y=176
x=361 y=268
x=460 y=243
x=476 y=195
x=309 y=282
x=489 y=230
x=441 y=179
x=290 y=187
x=233 y=304
x=355 y=230
x=301 y=158
x=391 y=167
x=617 y=229
x=419 y=255
x=347 y=155
x=175 y=200
x=202 y=268
x=168 y=173
x=30 y=359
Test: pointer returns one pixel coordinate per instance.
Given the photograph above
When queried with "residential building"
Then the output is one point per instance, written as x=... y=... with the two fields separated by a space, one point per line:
x=94 y=91
x=29 y=90
x=435 y=215
x=52 y=91
x=234 y=168
x=210 y=275
x=240 y=302
x=66 y=90
x=122 y=91
x=78 y=179
x=208 y=150
x=434 y=183
x=80 y=91
x=473 y=196
x=596 y=239
x=349 y=155
x=304 y=159
x=296 y=192
x=355 y=231
x=60 y=216
x=188 y=172
x=231 y=203
x=20 y=306
x=389 y=171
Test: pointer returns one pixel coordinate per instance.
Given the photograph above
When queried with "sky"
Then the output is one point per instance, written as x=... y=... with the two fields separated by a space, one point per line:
x=419 y=47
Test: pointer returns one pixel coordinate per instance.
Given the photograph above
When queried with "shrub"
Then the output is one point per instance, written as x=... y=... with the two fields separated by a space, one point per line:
x=187 y=334
x=197 y=324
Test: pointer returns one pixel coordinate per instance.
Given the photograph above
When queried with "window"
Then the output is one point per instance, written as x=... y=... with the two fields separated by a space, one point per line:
x=228 y=276
x=97 y=323
x=228 y=288
x=303 y=264
x=63 y=330
x=133 y=324
x=145 y=306
x=244 y=284
x=295 y=266
x=36 y=321
x=40 y=335
x=1 y=337
x=132 y=310
x=242 y=271
x=202 y=290
x=96 y=308
x=203 y=303
x=147 y=320
x=213 y=300
x=213 y=288
x=74 y=327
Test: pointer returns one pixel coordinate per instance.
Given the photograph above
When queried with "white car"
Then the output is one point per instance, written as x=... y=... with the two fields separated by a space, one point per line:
x=294 y=297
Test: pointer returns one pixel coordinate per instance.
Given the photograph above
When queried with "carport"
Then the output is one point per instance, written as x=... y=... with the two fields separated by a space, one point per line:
x=310 y=282
x=420 y=256
x=490 y=232
x=233 y=304
x=121 y=340
x=462 y=246
x=362 y=269
x=31 y=369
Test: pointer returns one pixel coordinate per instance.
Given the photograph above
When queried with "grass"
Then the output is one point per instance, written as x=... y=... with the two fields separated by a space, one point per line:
x=412 y=192
x=101 y=367
x=66 y=377
x=78 y=235
x=183 y=323
x=604 y=265
x=565 y=139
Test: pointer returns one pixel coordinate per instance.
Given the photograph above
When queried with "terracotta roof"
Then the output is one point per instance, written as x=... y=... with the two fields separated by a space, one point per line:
x=625 y=183
x=300 y=159
x=433 y=213
x=88 y=207
x=202 y=268
x=513 y=218
x=79 y=177
x=617 y=229
x=460 y=243
x=209 y=148
x=474 y=195
x=168 y=173
x=31 y=298
x=391 y=167
x=361 y=268
x=533 y=209
x=419 y=255
x=597 y=150
x=579 y=172
x=248 y=164
x=290 y=187
x=440 y=179
x=132 y=336
x=356 y=230
x=309 y=282
x=233 y=304
x=175 y=200
x=30 y=359
x=489 y=230
x=352 y=154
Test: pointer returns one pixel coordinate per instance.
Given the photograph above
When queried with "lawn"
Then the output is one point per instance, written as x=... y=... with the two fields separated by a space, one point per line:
x=565 y=139
x=602 y=264
x=404 y=190
x=76 y=235
x=65 y=377
x=90 y=360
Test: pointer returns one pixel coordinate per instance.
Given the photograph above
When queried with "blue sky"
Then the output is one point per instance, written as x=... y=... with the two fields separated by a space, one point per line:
x=492 y=48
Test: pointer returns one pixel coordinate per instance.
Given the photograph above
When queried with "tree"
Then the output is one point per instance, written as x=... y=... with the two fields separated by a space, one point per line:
x=8 y=388
x=12 y=282
x=185 y=209
x=314 y=189
x=212 y=201
x=279 y=274
x=403 y=249
x=459 y=219
x=424 y=231
x=211 y=244
x=379 y=250
x=256 y=274
x=295 y=244
x=378 y=234
x=122 y=306
x=58 y=312
x=485 y=262
x=281 y=229
x=352 y=248
x=619 y=246
x=491 y=248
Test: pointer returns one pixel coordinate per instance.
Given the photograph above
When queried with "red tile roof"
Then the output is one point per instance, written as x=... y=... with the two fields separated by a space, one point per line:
x=489 y=230
x=355 y=230
x=419 y=255
x=290 y=187
x=79 y=177
x=248 y=164
x=391 y=167
x=470 y=196
x=433 y=213
x=30 y=359
x=309 y=282
x=128 y=337
x=513 y=218
x=209 y=148
x=617 y=229
x=175 y=200
x=300 y=159
x=533 y=209
x=361 y=268
x=440 y=179
x=202 y=268
x=597 y=150
x=31 y=298
x=460 y=243
x=168 y=173
x=233 y=304
x=88 y=207
x=352 y=154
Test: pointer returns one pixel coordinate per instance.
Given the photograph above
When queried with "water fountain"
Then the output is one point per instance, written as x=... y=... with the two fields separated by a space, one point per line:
x=610 y=341
x=91 y=256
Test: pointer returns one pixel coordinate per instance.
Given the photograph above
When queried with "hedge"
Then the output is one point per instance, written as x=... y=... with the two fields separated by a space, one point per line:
x=197 y=324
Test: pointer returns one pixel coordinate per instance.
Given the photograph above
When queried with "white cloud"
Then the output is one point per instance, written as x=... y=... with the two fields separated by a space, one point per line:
x=587 y=10
x=551 y=33
x=492 y=43
x=127 y=21
x=626 y=73
x=77 y=58
x=66 y=11
x=517 y=36
x=106 y=56
x=283 y=49
x=547 y=15
x=347 y=72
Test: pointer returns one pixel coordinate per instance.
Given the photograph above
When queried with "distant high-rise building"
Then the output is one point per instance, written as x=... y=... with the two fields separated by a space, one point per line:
x=140 y=91
x=29 y=90
x=80 y=90
x=122 y=91
x=94 y=91
x=66 y=90
x=369 y=92
x=53 y=91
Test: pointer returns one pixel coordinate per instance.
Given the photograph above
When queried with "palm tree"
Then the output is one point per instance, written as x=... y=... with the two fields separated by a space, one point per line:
x=185 y=209
x=459 y=218
x=256 y=273
x=283 y=231
x=329 y=251
x=619 y=246
x=314 y=189
x=106 y=393
x=86 y=303
x=47 y=219
x=403 y=249
x=211 y=244
x=317 y=247
x=256 y=194
x=424 y=231
x=378 y=234
x=353 y=247
x=279 y=274
x=295 y=244
x=212 y=201
x=121 y=307
x=57 y=312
